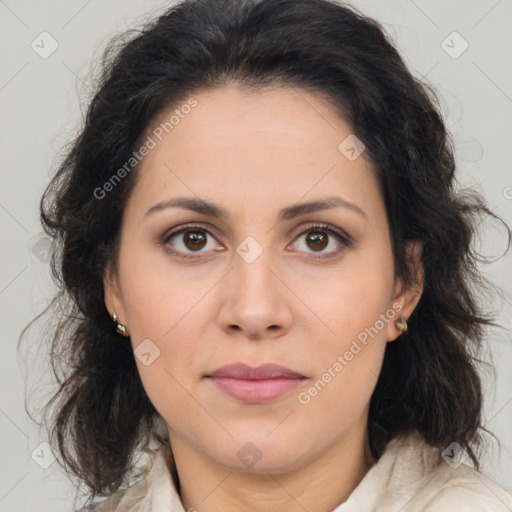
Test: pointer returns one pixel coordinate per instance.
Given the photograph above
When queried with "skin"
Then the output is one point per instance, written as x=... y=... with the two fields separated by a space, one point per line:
x=255 y=153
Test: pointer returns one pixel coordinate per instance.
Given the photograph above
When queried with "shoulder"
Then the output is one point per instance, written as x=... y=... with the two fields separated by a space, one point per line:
x=464 y=489
x=124 y=500
x=438 y=484
x=412 y=476
x=154 y=490
x=134 y=497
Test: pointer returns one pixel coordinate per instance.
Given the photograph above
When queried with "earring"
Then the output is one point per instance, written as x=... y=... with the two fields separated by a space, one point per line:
x=120 y=328
x=401 y=323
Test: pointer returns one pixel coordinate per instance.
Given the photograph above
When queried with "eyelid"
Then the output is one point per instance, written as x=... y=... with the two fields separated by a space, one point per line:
x=320 y=226
x=180 y=229
x=342 y=237
x=188 y=227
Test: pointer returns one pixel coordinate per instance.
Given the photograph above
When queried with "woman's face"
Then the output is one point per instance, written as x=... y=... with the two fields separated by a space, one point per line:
x=259 y=284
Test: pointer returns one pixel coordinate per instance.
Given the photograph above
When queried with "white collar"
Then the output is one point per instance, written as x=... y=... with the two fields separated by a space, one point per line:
x=410 y=476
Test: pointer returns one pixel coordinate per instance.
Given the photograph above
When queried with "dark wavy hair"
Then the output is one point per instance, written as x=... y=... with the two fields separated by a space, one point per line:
x=100 y=416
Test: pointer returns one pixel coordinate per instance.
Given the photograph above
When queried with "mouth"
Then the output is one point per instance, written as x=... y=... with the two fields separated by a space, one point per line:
x=255 y=384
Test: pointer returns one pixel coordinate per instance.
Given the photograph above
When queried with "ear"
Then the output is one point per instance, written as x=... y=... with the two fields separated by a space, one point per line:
x=112 y=293
x=407 y=296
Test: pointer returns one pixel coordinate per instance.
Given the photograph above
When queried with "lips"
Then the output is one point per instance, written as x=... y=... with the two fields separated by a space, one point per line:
x=255 y=384
x=265 y=371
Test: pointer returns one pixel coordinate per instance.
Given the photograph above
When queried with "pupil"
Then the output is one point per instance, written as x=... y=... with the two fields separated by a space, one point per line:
x=318 y=239
x=196 y=239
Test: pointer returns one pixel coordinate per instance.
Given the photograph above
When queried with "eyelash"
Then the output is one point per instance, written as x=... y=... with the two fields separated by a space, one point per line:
x=342 y=238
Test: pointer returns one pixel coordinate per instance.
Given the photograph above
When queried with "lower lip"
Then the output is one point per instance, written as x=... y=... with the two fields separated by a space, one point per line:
x=256 y=391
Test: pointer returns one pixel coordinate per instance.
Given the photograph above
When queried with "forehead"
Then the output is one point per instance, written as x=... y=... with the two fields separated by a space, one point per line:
x=264 y=147
x=231 y=115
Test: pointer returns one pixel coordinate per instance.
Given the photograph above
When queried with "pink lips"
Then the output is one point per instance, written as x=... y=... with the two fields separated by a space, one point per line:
x=255 y=385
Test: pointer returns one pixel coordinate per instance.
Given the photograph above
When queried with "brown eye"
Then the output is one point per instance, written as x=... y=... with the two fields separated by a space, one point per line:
x=189 y=241
x=317 y=240
x=186 y=241
x=194 y=240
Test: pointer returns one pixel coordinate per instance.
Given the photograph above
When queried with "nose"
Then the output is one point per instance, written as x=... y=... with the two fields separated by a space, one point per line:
x=255 y=301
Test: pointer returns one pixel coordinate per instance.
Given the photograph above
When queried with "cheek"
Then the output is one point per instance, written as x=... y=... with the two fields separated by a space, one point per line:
x=352 y=301
x=347 y=363
x=172 y=375
x=157 y=295
x=159 y=306
x=348 y=358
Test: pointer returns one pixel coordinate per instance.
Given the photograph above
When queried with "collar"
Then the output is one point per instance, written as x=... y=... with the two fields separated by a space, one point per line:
x=410 y=473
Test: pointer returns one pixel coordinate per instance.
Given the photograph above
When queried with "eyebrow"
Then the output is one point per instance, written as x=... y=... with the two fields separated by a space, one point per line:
x=213 y=210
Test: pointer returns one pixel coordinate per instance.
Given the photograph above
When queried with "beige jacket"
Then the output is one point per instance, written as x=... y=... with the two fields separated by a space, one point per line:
x=410 y=476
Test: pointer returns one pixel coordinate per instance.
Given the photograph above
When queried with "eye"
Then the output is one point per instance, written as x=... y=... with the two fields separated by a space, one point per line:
x=319 y=236
x=190 y=239
x=193 y=238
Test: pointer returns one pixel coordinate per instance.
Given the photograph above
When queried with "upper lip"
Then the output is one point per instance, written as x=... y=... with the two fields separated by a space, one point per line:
x=264 y=371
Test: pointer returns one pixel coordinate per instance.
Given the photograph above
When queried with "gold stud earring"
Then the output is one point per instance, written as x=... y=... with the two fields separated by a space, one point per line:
x=120 y=328
x=401 y=323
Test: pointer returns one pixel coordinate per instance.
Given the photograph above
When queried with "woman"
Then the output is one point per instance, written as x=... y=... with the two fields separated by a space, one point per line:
x=271 y=276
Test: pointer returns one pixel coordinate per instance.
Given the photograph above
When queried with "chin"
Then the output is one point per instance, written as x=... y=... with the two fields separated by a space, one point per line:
x=260 y=456
x=276 y=465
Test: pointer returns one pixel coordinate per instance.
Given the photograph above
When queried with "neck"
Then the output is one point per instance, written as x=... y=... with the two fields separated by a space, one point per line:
x=322 y=484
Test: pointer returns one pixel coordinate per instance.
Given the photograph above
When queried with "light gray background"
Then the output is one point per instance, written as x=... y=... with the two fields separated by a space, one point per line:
x=39 y=101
